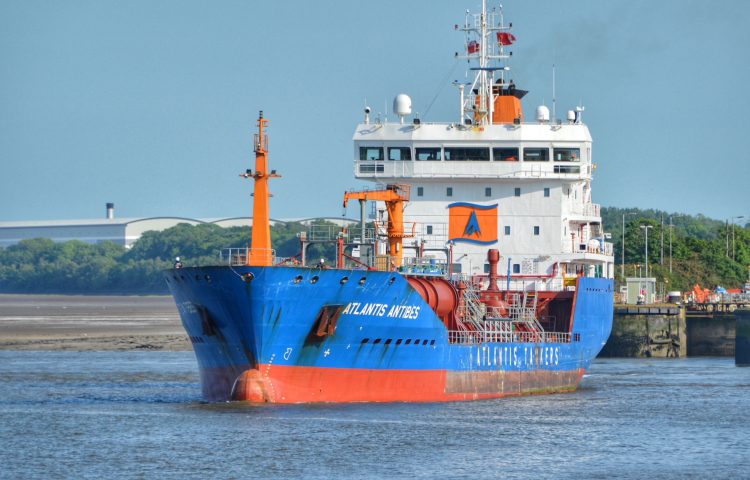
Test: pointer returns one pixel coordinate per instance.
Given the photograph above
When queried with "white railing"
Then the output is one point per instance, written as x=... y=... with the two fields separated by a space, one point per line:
x=468 y=337
x=239 y=256
x=587 y=209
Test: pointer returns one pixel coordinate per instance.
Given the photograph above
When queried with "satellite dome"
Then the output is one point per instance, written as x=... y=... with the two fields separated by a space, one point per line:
x=542 y=114
x=402 y=105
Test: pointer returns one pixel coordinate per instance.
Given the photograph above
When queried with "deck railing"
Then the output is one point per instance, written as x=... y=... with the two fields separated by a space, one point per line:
x=238 y=256
x=467 y=337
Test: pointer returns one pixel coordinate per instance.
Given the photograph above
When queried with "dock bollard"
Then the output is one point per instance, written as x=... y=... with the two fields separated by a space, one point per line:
x=742 y=338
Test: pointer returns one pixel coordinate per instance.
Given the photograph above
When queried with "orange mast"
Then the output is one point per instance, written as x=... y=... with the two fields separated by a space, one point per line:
x=261 y=253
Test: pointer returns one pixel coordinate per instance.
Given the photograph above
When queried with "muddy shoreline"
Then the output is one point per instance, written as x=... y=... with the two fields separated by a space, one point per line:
x=90 y=323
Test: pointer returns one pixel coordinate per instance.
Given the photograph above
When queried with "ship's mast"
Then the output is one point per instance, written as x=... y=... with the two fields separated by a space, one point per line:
x=489 y=55
x=261 y=253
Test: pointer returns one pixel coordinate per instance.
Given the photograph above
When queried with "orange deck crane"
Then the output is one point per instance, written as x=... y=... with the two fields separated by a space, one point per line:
x=394 y=196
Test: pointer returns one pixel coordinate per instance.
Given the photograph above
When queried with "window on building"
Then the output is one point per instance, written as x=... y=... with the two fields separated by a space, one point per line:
x=536 y=154
x=399 y=153
x=429 y=229
x=516 y=268
x=464 y=153
x=427 y=153
x=371 y=153
x=507 y=229
x=487 y=191
x=566 y=154
x=517 y=191
x=420 y=191
x=546 y=191
x=536 y=229
x=449 y=191
x=505 y=154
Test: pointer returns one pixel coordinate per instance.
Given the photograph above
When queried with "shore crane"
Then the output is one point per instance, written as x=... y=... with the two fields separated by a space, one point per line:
x=394 y=196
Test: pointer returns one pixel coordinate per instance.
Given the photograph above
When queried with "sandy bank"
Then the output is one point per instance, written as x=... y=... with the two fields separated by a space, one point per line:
x=87 y=323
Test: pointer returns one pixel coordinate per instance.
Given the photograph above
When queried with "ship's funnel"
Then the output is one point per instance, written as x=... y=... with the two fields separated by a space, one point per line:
x=110 y=211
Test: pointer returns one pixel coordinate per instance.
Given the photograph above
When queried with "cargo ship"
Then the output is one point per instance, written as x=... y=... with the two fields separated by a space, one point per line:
x=479 y=267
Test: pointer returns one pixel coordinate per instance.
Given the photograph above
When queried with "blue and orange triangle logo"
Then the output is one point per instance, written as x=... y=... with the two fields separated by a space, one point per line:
x=472 y=223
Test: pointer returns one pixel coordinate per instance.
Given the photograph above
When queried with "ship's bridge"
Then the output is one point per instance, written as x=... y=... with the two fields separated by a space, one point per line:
x=445 y=150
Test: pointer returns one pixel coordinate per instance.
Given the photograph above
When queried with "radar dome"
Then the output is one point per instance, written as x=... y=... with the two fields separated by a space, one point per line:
x=402 y=105
x=542 y=114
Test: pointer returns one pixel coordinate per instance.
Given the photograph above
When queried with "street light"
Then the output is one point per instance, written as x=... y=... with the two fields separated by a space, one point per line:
x=645 y=228
x=733 y=220
x=670 y=241
x=622 y=266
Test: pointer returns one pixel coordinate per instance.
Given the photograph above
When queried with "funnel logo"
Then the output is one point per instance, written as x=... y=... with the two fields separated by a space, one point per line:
x=472 y=223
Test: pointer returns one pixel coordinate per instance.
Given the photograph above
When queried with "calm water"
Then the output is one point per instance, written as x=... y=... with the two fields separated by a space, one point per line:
x=139 y=414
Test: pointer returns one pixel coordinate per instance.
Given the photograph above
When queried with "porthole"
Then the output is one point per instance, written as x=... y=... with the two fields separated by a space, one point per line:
x=365 y=340
x=424 y=342
x=416 y=342
x=377 y=340
x=362 y=280
x=344 y=280
x=314 y=279
x=298 y=279
x=208 y=277
x=393 y=279
x=408 y=341
x=388 y=342
x=432 y=342
x=398 y=342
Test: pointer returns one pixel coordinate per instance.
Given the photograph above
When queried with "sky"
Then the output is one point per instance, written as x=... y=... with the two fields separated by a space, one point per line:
x=153 y=105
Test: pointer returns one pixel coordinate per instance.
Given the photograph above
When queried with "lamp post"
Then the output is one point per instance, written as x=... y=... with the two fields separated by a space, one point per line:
x=670 y=241
x=645 y=229
x=622 y=266
x=734 y=219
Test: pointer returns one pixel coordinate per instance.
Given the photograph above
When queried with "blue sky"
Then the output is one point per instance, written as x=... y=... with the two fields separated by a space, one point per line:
x=152 y=104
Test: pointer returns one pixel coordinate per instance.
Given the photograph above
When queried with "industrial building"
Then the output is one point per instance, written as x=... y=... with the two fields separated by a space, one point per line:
x=122 y=231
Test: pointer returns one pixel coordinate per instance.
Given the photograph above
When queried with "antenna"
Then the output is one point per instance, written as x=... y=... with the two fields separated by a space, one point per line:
x=554 y=98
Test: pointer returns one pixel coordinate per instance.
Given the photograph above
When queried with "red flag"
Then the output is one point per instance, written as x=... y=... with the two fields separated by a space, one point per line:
x=505 y=38
x=473 y=47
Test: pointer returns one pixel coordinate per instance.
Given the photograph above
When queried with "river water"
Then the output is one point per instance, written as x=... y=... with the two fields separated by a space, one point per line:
x=139 y=414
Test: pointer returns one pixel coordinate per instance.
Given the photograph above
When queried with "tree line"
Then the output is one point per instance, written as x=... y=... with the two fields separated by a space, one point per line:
x=40 y=265
x=703 y=250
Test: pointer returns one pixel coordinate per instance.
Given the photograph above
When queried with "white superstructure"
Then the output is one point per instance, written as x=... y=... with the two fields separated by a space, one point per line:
x=527 y=182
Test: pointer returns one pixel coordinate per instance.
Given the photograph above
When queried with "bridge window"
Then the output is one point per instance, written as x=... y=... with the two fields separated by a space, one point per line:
x=536 y=229
x=462 y=153
x=546 y=191
x=487 y=191
x=517 y=191
x=516 y=268
x=399 y=153
x=567 y=169
x=536 y=154
x=429 y=229
x=420 y=191
x=428 y=153
x=567 y=154
x=371 y=153
x=373 y=168
x=449 y=191
x=507 y=229
x=505 y=154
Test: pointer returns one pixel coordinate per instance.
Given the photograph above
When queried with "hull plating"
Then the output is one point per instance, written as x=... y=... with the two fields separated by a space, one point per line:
x=260 y=339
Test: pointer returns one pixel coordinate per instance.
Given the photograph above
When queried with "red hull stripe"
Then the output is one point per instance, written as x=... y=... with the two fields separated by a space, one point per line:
x=294 y=384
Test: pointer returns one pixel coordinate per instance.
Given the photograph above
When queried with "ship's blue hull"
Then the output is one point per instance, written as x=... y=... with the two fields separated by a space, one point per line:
x=257 y=336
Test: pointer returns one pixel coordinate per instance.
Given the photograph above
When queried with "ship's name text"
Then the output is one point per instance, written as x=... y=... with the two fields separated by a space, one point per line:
x=382 y=310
